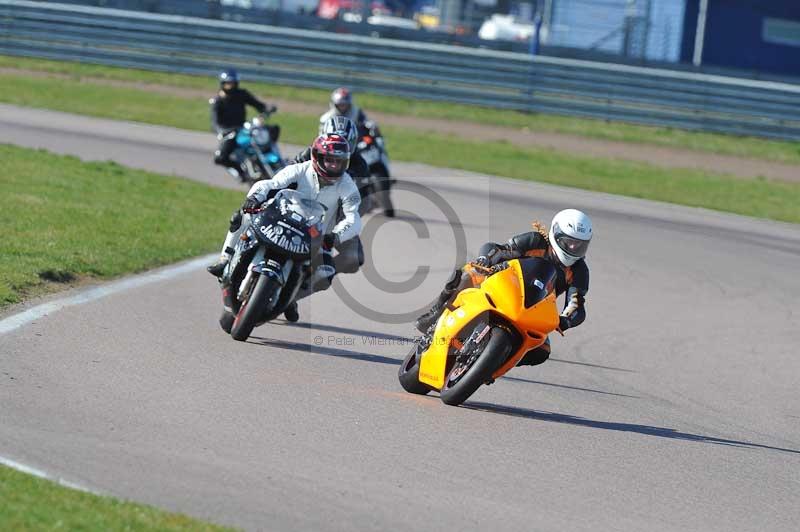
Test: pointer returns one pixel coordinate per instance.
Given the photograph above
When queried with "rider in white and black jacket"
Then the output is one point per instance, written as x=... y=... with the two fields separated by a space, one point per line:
x=323 y=179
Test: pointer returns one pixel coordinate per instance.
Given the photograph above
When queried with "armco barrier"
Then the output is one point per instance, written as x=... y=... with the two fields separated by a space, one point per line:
x=418 y=70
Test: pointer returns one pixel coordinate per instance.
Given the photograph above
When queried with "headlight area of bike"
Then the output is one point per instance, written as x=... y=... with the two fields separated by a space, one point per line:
x=260 y=136
x=296 y=239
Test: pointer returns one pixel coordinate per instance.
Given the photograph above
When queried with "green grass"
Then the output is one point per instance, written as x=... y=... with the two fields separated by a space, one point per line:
x=761 y=198
x=751 y=147
x=65 y=220
x=123 y=103
x=756 y=197
x=34 y=504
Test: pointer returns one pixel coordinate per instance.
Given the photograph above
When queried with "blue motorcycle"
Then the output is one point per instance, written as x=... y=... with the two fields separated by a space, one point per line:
x=256 y=152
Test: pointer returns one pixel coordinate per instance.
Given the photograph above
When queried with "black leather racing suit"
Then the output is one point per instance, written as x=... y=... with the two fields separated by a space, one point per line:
x=228 y=112
x=572 y=280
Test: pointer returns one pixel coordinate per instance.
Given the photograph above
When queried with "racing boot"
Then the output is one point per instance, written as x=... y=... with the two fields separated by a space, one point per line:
x=291 y=313
x=426 y=321
x=218 y=268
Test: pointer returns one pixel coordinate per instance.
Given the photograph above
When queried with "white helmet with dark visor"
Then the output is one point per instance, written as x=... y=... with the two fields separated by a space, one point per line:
x=570 y=234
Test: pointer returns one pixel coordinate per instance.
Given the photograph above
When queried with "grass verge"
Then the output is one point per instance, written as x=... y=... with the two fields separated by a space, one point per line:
x=751 y=197
x=65 y=220
x=760 y=198
x=31 y=503
x=751 y=147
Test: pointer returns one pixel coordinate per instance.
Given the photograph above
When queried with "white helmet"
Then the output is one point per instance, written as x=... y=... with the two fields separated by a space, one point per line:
x=570 y=234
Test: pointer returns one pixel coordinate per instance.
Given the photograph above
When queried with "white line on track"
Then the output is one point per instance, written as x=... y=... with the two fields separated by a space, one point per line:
x=41 y=474
x=18 y=320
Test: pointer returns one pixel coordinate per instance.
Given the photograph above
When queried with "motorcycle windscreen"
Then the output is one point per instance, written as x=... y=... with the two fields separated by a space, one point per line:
x=293 y=204
x=540 y=279
x=261 y=136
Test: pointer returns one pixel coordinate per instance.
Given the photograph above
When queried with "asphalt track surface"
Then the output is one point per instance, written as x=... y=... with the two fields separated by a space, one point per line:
x=674 y=407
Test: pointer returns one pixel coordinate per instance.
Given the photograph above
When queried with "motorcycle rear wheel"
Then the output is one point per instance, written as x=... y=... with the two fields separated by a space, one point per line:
x=253 y=308
x=458 y=389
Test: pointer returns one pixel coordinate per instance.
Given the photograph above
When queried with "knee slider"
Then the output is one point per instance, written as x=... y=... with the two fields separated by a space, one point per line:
x=537 y=356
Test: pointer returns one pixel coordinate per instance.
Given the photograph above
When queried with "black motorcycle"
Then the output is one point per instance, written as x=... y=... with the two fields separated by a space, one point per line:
x=272 y=259
x=372 y=148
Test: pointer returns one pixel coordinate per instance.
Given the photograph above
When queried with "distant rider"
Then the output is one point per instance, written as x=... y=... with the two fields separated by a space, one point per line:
x=228 y=113
x=325 y=180
x=342 y=105
x=565 y=246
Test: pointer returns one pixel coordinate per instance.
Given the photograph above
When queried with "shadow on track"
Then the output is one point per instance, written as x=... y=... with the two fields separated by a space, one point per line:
x=517 y=379
x=324 y=350
x=612 y=368
x=647 y=430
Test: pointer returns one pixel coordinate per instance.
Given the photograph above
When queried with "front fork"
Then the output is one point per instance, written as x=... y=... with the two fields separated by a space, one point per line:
x=257 y=265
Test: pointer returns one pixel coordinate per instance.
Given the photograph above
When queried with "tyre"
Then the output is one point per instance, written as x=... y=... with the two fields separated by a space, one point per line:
x=226 y=321
x=367 y=198
x=253 y=308
x=408 y=374
x=382 y=195
x=463 y=381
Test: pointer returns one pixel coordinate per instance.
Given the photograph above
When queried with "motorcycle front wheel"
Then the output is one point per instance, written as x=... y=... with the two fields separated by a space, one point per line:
x=383 y=186
x=226 y=321
x=408 y=374
x=253 y=307
x=468 y=375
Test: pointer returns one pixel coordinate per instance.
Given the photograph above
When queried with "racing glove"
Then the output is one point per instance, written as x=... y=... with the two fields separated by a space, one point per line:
x=482 y=261
x=251 y=205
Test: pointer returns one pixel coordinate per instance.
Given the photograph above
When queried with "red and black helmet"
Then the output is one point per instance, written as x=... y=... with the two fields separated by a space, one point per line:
x=330 y=156
x=342 y=100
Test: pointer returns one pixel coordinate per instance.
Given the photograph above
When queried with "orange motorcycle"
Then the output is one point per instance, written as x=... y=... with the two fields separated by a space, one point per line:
x=485 y=331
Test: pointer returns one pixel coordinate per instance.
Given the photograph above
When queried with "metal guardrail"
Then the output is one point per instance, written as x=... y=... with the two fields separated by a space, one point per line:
x=437 y=72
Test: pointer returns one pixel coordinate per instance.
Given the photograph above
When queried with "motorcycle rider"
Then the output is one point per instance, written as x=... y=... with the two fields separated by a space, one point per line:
x=228 y=112
x=324 y=178
x=565 y=246
x=342 y=126
x=342 y=105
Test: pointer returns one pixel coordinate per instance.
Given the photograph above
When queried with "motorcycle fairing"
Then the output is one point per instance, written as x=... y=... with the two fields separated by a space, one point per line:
x=503 y=296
